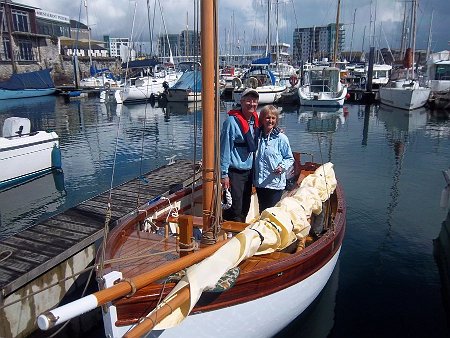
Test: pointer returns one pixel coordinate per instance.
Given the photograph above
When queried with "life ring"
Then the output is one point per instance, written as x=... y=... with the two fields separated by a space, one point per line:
x=237 y=83
x=293 y=80
x=252 y=82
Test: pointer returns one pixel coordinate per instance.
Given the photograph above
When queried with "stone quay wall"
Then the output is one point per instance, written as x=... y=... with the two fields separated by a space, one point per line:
x=48 y=56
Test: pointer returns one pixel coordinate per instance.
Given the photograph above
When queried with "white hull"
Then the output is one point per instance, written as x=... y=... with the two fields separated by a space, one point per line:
x=322 y=99
x=437 y=86
x=249 y=319
x=267 y=94
x=146 y=88
x=404 y=97
x=27 y=156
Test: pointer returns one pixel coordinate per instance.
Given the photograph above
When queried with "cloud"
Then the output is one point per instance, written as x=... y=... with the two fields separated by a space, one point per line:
x=115 y=18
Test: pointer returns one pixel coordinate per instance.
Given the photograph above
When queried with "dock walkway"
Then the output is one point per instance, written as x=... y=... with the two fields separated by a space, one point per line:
x=32 y=252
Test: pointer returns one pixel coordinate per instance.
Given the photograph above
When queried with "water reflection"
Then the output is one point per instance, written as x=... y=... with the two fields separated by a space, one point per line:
x=19 y=205
x=399 y=121
x=322 y=119
x=39 y=110
x=323 y=122
x=441 y=253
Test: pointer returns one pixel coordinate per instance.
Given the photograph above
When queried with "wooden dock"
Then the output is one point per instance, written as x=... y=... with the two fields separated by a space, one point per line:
x=48 y=251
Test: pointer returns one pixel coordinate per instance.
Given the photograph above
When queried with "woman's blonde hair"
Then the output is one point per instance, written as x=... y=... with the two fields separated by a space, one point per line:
x=266 y=110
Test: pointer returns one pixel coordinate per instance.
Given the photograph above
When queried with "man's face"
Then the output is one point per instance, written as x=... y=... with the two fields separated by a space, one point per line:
x=249 y=103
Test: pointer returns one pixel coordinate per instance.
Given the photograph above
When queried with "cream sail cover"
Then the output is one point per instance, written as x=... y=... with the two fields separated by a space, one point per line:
x=279 y=226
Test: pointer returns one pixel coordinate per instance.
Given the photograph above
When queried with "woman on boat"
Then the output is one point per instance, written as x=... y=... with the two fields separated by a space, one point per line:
x=273 y=158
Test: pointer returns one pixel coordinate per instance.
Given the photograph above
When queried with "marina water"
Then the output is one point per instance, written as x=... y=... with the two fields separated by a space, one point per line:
x=386 y=283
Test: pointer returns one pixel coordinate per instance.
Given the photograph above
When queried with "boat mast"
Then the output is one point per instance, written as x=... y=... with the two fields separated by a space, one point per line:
x=429 y=37
x=336 y=38
x=89 y=33
x=268 y=49
x=209 y=60
x=353 y=30
x=150 y=28
x=277 y=42
x=414 y=12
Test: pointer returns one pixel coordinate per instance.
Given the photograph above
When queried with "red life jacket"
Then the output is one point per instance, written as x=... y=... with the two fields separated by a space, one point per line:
x=250 y=141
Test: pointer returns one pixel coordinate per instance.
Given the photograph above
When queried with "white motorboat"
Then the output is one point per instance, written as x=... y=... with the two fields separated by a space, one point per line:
x=322 y=87
x=438 y=72
x=260 y=78
x=25 y=154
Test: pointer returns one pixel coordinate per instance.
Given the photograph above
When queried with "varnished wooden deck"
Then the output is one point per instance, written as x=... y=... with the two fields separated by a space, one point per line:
x=47 y=244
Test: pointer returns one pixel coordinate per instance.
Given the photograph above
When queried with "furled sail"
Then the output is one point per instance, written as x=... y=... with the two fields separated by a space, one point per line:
x=276 y=228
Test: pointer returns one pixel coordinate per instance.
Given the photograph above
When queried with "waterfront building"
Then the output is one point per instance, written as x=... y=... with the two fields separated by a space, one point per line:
x=312 y=43
x=19 y=34
x=52 y=24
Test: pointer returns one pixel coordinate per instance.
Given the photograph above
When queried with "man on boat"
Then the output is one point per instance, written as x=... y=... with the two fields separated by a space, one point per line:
x=238 y=142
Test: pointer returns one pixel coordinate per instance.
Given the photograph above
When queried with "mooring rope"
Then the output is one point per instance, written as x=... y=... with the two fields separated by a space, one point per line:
x=8 y=254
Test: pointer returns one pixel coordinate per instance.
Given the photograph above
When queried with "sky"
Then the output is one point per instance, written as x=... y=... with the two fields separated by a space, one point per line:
x=367 y=23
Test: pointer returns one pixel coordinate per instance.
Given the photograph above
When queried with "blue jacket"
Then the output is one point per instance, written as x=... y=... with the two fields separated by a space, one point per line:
x=233 y=148
x=273 y=151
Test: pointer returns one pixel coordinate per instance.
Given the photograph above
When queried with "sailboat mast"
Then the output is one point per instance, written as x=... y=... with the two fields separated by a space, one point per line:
x=429 y=37
x=268 y=50
x=414 y=14
x=336 y=38
x=208 y=57
x=89 y=33
x=150 y=28
x=277 y=41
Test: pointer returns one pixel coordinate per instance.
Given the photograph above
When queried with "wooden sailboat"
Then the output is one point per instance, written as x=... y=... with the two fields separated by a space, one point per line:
x=241 y=274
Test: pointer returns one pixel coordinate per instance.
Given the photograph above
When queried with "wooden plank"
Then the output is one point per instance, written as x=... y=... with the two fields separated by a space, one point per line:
x=70 y=225
x=54 y=231
x=19 y=243
x=73 y=216
x=48 y=239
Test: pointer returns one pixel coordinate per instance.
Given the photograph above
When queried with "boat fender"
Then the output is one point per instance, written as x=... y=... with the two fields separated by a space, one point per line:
x=56 y=157
x=252 y=82
x=363 y=81
x=293 y=80
x=237 y=83
x=226 y=199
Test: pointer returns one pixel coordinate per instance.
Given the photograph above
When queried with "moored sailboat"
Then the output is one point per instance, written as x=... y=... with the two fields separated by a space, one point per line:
x=157 y=278
x=406 y=93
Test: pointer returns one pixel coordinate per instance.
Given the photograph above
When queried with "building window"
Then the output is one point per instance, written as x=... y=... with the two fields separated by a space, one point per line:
x=25 y=51
x=5 y=51
x=4 y=26
x=21 y=22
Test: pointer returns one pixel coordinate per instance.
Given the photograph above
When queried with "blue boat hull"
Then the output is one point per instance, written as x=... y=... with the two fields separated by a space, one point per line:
x=6 y=94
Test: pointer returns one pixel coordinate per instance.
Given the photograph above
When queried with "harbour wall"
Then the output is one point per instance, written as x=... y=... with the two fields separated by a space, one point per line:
x=48 y=56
